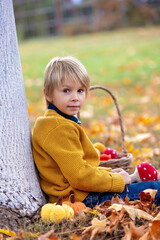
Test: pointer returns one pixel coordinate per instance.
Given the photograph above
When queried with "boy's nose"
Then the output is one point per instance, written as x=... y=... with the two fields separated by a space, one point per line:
x=75 y=96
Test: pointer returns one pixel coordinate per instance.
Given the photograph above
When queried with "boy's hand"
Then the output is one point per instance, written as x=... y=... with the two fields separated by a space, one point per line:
x=124 y=174
x=117 y=170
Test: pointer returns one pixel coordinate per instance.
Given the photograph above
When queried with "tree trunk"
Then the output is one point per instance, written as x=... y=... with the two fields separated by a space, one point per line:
x=20 y=192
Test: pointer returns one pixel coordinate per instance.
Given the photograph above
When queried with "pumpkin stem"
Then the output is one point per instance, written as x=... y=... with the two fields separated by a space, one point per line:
x=59 y=202
x=72 y=199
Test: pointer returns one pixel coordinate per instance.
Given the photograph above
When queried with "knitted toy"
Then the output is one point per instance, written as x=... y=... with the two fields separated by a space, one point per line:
x=105 y=153
x=144 y=172
x=99 y=147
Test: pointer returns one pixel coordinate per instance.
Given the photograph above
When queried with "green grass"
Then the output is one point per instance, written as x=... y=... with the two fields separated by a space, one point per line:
x=120 y=60
x=108 y=56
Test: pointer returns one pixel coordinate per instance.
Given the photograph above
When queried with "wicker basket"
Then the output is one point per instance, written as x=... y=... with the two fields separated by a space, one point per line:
x=123 y=159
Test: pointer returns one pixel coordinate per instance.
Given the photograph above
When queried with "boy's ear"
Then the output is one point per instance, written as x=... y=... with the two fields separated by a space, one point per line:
x=46 y=95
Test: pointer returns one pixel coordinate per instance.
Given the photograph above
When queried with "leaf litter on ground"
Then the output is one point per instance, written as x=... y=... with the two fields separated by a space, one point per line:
x=115 y=219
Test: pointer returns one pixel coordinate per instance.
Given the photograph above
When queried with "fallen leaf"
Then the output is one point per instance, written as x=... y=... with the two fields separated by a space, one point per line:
x=14 y=238
x=96 y=227
x=8 y=232
x=127 y=232
x=154 y=231
x=137 y=232
x=49 y=236
x=138 y=138
x=147 y=195
x=127 y=200
x=75 y=237
x=117 y=200
x=155 y=228
x=133 y=212
x=146 y=237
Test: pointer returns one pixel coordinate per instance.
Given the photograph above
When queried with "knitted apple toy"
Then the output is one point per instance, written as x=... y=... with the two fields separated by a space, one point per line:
x=105 y=153
x=144 y=172
x=110 y=152
x=99 y=147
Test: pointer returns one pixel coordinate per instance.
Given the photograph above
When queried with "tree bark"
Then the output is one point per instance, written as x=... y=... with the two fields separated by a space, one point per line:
x=20 y=192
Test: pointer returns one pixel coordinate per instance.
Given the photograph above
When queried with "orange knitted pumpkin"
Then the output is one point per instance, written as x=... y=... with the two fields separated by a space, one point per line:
x=76 y=206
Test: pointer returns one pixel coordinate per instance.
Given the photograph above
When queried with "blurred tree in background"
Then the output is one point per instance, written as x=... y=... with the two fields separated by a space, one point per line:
x=69 y=17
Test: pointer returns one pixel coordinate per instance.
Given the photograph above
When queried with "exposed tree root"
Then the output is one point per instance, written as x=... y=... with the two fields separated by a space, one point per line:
x=13 y=221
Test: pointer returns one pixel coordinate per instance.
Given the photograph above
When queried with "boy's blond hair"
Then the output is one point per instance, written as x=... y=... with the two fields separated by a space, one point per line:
x=59 y=68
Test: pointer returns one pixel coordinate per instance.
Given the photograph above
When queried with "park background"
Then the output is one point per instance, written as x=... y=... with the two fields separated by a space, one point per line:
x=118 y=42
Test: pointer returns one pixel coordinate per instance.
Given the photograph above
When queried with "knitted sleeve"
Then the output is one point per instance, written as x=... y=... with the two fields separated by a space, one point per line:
x=64 y=145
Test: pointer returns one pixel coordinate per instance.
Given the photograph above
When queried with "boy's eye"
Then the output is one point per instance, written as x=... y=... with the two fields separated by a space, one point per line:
x=81 y=90
x=66 y=90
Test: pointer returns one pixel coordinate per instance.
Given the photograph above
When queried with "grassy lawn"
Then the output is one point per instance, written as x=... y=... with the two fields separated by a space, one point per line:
x=108 y=57
x=125 y=61
x=125 y=57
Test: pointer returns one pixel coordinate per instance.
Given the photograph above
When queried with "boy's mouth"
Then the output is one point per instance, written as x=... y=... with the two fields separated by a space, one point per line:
x=73 y=106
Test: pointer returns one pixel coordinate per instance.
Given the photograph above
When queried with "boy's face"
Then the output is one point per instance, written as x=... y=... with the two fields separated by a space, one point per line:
x=69 y=97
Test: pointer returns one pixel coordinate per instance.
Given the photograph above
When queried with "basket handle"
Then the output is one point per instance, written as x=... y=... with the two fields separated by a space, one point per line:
x=124 y=150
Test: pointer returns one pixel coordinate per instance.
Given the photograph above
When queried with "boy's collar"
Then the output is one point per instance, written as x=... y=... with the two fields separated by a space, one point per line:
x=73 y=118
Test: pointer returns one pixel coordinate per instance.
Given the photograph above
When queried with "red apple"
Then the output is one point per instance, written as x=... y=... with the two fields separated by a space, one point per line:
x=110 y=152
x=104 y=157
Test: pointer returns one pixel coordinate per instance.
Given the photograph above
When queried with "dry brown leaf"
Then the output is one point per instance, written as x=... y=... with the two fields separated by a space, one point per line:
x=146 y=200
x=146 y=236
x=127 y=232
x=117 y=200
x=127 y=200
x=96 y=227
x=151 y=192
x=84 y=212
x=121 y=214
x=49 y=236
x=114 y=220
x=75 y=237
x=155 y=228
x=137 y=232
x=154 y=232
x=133 y=212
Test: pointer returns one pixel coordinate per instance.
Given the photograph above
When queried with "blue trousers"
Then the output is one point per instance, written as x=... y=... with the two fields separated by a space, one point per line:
x=132 y=191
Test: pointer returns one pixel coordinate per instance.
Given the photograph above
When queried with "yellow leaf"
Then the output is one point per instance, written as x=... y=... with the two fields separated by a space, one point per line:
x=95 y=212
x=31 y=235
x=127 y=81
x=8 y=232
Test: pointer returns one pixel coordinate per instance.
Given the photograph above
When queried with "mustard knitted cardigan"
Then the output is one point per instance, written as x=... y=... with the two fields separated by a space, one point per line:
x=66 y=160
